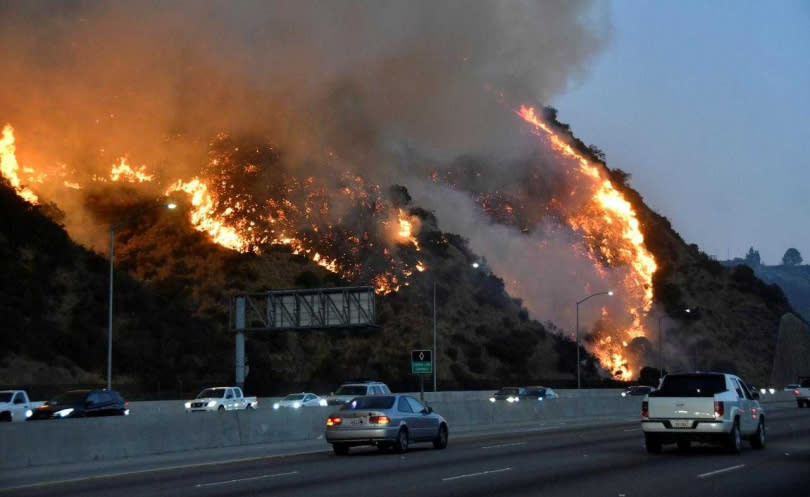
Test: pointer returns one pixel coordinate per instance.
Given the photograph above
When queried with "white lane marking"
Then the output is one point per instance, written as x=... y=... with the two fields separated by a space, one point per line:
x=477 y=474
x=228 y=482
x=504 y=445
x=724 y=470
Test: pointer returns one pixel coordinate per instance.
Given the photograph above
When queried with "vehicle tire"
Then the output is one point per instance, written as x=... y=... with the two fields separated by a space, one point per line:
x=653 y=443
x=758 y=438
x=249 y=406
x=734 y=440
x=683 y=444
x=440 y=442
x=340 y=449
x=221 y=408
x=401 y=445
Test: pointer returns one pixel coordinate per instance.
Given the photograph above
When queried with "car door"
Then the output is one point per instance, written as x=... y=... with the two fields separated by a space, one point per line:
x=18 y=407
x=229 y=400
x=425 y=424
x=749 y=425
x=93 y=405
x=405 y=412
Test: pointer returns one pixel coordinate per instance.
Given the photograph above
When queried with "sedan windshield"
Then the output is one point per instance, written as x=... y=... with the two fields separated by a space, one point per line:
x=67 y=398
x=351 y=390
x=376 y=402
x=211 y=392
x=294 y=396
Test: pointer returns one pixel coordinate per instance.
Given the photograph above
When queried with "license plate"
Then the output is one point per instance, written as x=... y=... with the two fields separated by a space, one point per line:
x=681 y=423
x=356 y=421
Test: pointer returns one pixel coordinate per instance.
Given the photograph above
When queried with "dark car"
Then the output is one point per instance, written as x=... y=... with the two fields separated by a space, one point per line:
x=540 y=393
x=637 y=390
x=82 y=403
x=509 y=394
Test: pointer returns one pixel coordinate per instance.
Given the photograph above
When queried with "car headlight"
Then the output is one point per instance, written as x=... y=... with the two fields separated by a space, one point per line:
x=126 y=412
x=212 y=403
x=29 y=413
x=492 y=399
x=276 y=406
x=539 y=399
x=762 y=391
x=772 y=391
x=322 y=403
x=188 y=405
x=510 y=399
x=64 y=412
x=624 y=394
x=296 y=404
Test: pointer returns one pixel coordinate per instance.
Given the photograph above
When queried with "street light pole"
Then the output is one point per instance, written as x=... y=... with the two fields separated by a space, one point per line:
x=113 y=229
x=435 y=352
x=661 y=346
x=610 y=292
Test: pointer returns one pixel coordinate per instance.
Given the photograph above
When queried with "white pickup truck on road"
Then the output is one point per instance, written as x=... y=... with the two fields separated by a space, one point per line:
x=713 y=408
x=221 y=399
x=802 y=392
x=15 y=405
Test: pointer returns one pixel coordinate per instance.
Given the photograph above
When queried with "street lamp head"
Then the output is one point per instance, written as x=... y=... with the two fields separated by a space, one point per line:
x=475 y=265
x=610 y=293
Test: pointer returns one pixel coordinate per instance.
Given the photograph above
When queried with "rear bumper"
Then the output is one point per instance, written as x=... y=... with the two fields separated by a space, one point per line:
x=364 y=436
x=697 y=427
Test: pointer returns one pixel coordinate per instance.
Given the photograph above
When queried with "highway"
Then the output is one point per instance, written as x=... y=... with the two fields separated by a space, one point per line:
x=607 y=460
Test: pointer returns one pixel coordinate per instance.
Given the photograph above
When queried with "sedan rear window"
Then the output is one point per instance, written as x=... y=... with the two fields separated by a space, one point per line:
x=376 y=402
x=691 y=385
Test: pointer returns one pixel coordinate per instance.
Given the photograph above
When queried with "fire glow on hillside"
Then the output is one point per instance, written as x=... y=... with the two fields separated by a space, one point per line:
x=306 y=214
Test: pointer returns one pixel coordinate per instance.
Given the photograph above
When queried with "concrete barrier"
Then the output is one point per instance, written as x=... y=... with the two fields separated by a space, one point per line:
x=163 y=427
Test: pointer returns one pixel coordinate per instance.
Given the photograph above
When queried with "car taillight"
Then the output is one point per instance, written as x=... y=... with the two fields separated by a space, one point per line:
x=719 y=408
x=379 y=420
x=333 y=421
x=796 y=392
x=645 y=409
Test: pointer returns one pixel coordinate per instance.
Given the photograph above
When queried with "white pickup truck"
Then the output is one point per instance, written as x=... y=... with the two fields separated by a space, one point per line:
x=713 y=408
x=221 y=399
x=802 y=392
x=15 y=405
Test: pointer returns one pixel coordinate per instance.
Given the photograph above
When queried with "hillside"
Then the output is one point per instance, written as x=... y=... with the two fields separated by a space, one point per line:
x=794 y=280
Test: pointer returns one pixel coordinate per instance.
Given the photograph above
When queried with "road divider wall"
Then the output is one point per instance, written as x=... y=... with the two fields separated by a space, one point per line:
x=158 y=428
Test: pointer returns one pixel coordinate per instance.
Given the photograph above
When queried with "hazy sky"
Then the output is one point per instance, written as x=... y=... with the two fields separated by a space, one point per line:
x=707 y=105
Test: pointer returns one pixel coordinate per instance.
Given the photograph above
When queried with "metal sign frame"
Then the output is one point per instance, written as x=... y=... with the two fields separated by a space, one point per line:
x=422 y=361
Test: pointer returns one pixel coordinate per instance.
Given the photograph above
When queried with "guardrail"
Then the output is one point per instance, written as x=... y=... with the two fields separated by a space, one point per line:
x=164 y=427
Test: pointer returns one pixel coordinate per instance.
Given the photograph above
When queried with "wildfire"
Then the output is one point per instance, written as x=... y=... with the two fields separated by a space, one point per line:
x=124 y=172
x=608 y=216
x=9 y=167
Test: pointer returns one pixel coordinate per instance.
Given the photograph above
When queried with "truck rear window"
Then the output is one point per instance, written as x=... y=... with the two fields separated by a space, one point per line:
x=691 y=385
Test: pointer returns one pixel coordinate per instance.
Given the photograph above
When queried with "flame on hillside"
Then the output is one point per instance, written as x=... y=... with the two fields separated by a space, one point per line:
x=9 y=167
x=612 y=236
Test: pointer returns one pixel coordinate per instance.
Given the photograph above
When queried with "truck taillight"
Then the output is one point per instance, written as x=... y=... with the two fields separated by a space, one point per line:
x=719 y=408
x=333 y=421
x=796 y=392
x=645 y=409
x=379 y=420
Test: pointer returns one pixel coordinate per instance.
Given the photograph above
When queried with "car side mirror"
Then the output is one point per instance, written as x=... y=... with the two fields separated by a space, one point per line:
x=427 y=410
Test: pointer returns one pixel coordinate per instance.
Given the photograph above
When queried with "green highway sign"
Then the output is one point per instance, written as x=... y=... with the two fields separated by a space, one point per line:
x=421 y=361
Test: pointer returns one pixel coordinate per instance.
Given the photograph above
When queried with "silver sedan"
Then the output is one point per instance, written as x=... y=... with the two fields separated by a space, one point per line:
x=387 y=421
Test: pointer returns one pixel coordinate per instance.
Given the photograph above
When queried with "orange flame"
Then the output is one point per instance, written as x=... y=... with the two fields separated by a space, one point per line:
x=608 y=210
x=124 y=172
x=9 y=167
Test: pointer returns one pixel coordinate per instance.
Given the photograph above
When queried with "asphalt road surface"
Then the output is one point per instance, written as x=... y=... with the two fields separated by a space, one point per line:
x=605 y=460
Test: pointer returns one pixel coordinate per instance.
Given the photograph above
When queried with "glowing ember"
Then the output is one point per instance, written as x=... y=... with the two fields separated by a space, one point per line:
x=609 y=225
x=9 y=166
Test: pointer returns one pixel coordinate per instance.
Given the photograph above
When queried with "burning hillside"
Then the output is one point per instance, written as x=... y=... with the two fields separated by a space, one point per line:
x=245 y=199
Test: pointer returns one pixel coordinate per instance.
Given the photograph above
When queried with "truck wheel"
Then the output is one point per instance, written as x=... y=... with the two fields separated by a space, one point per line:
x=653 y=443
x=249 y=406
x=221 y=408
x=734 y=441
x=758 y=438
x=340 y=449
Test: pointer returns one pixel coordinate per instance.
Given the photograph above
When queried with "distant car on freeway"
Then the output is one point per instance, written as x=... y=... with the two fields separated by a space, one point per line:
x=298 y=400
x=352 y=389
x=540 y=393
x=637 y=390
x=82 y=403
x=386 y=421
x=509 y=394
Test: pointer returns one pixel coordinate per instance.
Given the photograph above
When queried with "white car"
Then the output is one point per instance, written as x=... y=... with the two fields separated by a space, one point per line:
x=298 y=400
x=221 y=399
x=713 y=408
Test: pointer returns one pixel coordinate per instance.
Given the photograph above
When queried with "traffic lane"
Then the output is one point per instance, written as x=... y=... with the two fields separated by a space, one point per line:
x=579 y=462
